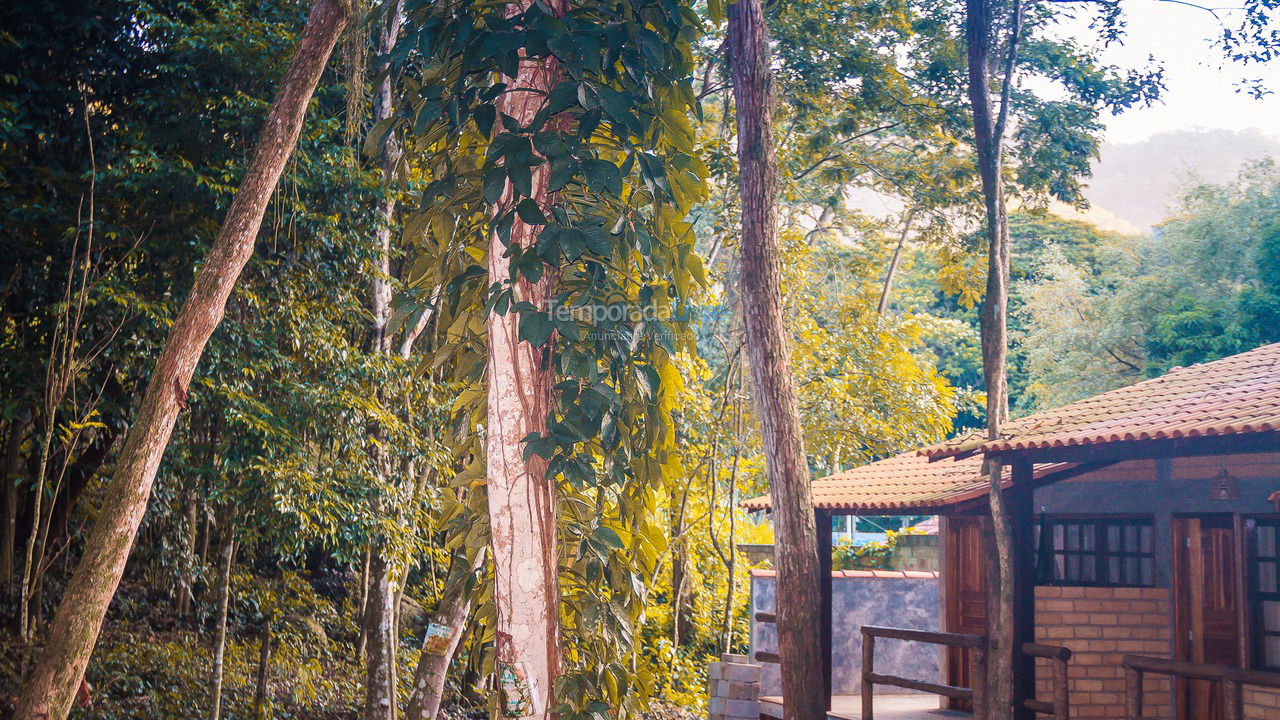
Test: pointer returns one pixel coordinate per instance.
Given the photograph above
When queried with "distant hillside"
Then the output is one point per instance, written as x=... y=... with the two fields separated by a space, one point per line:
x=1138 y=182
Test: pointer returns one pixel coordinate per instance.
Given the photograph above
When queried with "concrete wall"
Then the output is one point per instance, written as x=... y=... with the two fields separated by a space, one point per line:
x=861 y=597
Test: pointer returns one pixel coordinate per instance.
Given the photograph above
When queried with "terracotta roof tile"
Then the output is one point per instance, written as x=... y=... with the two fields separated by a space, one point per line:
x=906 y=482
x=1232 y=396
x=1236 y=395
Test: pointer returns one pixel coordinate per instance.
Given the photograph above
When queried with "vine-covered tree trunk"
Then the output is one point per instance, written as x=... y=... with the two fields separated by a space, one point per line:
x=993 y=322
x=57 y=675
x=768 y=348
x=220 y=643
x=521 y=500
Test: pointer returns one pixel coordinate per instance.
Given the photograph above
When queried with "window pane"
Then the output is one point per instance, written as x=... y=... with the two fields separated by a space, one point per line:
x=1148 y=572
x=1267 y=541
x=1271 y=616
x=1113 y=537
x=1073 y=537
x=1267 y=577
x=1272 y=650
x=1147 y=534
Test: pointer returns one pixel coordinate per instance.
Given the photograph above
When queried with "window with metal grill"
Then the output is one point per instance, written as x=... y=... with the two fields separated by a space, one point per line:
x=1096 y=551
x=1264 y=591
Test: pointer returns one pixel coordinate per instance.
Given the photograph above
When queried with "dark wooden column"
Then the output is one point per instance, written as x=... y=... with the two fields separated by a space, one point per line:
x=823 y=521
x=1020 y=502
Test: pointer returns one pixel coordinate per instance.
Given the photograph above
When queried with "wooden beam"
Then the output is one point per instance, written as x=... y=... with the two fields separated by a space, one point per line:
x=1019 y=499
x=823 y=519
x=1148 y=449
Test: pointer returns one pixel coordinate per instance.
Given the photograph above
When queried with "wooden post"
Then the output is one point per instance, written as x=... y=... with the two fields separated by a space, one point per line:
x=868 y=669
x=1132 y=693
x=978 y=671
x=826 y=592
x=1061 y=696
x=1019 y=500
x=1232 y=699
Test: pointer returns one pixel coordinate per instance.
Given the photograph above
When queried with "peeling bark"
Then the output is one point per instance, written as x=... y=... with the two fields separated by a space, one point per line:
x=769 y=351
x=51 y=689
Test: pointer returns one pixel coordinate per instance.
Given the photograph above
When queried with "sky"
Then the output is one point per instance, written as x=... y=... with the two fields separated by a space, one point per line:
x=1201 y=91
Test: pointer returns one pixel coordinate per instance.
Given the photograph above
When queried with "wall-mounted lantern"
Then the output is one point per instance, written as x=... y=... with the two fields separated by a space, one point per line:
x=1224 y=487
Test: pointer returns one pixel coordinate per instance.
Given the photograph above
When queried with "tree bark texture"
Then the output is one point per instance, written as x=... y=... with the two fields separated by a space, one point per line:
x=379 y=617
x=220 y=644
x=51 y=689
x=264 y=672
x=768 y=349
x=429 y=677
x=12 y=470
x=988 y=130
x=521 y=499
x=380 y=697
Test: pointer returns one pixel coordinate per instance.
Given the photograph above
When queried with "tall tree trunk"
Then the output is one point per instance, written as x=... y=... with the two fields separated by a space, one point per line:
x=12 y=470
x=521 y=499
x=989 y=130
x=188 y=567
x=379 y=620
x=379 y=617
x=429 y=677
x=50 y=691
x=264 y=669
x=220 y=643
x=768 y=348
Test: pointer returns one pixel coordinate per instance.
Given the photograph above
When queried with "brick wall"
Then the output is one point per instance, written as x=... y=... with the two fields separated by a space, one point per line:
x=1101 y=626
x=1261 y=703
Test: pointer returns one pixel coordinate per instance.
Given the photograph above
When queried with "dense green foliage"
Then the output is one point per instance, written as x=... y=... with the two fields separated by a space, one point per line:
x=121 y=145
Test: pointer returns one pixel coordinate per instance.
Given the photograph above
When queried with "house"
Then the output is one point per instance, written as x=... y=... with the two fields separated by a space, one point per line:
x=1144 y=524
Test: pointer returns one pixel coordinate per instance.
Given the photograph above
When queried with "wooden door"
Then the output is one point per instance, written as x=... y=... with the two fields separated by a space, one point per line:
x=1208 y=607
x=965 y=577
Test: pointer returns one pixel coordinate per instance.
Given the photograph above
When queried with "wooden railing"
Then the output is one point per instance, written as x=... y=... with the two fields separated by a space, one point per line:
x=1233 y=680
x=1060 y=707
x=976 y=644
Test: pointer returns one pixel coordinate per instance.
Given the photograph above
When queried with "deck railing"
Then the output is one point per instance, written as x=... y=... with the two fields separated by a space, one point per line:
x=976 y=644
x=1060 y=707
x=1233 y=680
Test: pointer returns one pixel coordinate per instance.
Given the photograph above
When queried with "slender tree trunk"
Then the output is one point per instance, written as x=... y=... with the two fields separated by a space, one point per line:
x=50 y=691
x=379 y=618
x=429 y=677
x=12 y=469
x=188 y=568
x=521 y=499
x=993 y=320
x=264 y=669
x=893 y=264
x=220 y=644
x=768 y=349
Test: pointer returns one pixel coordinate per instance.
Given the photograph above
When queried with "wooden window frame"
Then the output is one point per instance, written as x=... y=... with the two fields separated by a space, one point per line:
x=1100 y=553
x=1254 y=596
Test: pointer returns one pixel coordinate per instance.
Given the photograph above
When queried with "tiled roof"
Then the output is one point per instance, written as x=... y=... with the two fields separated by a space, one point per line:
x=863 y=574
x=1236 y=395
x=903 y=482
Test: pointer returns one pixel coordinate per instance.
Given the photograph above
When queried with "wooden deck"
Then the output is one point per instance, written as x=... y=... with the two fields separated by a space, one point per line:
x=888 y=707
